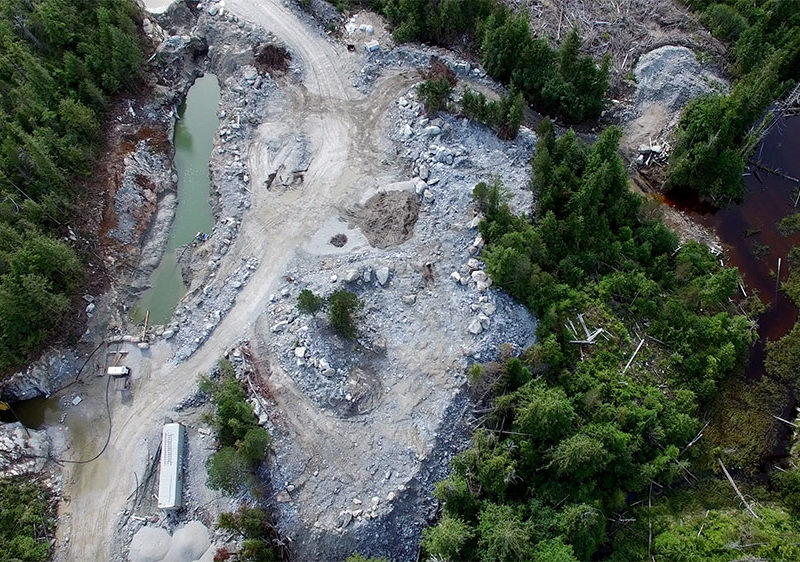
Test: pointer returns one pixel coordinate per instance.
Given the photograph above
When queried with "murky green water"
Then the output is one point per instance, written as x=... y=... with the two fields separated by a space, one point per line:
x=194 y=139
x=34 y=413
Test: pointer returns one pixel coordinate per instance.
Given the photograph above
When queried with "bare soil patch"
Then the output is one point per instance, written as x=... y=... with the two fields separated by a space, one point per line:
x=272 y=58
x=338 y=240
x=388 y=218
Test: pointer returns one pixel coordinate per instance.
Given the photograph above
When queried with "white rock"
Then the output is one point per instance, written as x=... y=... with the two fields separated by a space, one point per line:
x=478 y=243
x=475 y=327
x=444 y=155
x=476 y=221
x=481 y=286
x=382 y=274
x=367 y=276
x=473 y=264
x=409 y=299
x=334 y=278
x=352 y=275
x=456 y=276
x=420 y=187
x=428 y=197
x=90 y=307
x=168 y=334
x=300 y=352
x=432 y=131
x=424 y=172
x=479 y=275
x=488 y=308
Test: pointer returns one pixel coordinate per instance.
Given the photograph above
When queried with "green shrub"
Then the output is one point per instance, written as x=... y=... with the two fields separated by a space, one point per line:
x=228 y=470
x=434 y=94
x=26 y=520
x=448 y=539
x=62 y=63
x=253 y=526
x=573 y=429
x=309 y=303
x=506 y=114
x=243 y=442
x=342 y=305
x=724 y=22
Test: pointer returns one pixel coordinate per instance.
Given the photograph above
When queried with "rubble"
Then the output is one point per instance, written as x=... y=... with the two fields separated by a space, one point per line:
x=22 y=451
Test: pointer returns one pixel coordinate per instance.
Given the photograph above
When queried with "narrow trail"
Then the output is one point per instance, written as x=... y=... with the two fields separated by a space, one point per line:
x=342 y=126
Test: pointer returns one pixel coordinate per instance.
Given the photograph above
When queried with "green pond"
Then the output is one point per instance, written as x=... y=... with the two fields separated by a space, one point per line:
x=194 y=140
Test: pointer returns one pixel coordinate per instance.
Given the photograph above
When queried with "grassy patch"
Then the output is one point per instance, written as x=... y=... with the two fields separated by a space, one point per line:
x=742 y=431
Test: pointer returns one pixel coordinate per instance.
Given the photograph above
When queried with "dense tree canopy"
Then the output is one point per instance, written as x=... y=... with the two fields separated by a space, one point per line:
x=556 y=81
x=60 y=61
x=712 y=138
x=573 y=430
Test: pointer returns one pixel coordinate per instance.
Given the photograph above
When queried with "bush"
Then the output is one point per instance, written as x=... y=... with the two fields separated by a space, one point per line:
x=713 y=140
x=228 y=470
x=724 y=22
x=63 y=61
x=26 y=520
x=309 y=303
x=448 y=539
x=434 y=94
x=342 y=306
x=244 y=443
x=253 y=525
x=574 y=431
x=505 y=115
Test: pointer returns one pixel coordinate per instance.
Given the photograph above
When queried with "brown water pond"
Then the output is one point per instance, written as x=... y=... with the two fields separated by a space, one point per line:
x=749 y=232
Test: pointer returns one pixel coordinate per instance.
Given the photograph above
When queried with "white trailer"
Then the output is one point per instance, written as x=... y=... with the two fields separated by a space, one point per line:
x=170 y=480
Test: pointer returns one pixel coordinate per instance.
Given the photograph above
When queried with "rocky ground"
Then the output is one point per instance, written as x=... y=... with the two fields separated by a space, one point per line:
x=326 y=174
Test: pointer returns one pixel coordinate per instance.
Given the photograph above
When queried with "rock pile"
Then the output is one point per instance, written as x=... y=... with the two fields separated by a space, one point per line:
x=22 y=451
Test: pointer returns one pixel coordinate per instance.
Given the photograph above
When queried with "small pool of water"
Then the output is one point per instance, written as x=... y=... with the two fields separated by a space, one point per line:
x=194 y=140
x=34 y=413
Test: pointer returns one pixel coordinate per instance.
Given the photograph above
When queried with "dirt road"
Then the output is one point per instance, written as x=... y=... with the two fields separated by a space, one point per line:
x=341 y=126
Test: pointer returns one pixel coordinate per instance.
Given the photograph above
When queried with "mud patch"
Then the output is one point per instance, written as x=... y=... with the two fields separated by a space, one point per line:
x=388 y=218
x=272 y=58
x=338 y=240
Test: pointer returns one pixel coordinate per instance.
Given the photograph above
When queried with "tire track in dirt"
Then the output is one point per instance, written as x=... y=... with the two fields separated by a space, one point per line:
x=343 y=130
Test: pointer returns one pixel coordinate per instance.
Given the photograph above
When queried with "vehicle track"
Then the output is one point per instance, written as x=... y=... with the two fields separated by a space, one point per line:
x=343 y=128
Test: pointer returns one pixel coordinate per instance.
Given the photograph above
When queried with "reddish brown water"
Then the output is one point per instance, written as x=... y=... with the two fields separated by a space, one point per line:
x=749 y=232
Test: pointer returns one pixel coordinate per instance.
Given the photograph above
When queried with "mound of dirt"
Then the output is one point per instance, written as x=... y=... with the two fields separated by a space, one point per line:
x=271 y=58
x=388 y=218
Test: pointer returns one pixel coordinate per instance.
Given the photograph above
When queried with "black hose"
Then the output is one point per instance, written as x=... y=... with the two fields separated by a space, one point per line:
x=108 y=436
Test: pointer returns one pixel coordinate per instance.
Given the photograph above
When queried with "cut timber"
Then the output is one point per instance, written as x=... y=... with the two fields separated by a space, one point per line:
x=736 y=489
x=170 y=479
x=591 y=339
x=638 y=347
x=785 y=421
